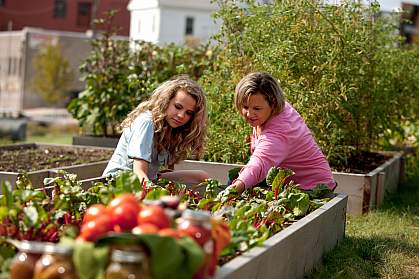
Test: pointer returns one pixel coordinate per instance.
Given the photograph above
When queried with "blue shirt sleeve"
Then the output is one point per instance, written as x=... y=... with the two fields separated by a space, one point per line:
x=140 y=143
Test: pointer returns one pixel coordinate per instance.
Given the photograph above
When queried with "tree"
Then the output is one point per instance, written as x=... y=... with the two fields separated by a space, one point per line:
x=53 y=74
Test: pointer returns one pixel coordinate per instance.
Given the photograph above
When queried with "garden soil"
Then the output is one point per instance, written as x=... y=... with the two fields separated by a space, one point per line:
x=26 y=159
x=362 y=163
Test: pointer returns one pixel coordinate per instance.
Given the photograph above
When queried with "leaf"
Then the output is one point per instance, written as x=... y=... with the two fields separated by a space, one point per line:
x=298 y=203
x=7 y=194
x=127 y=181
x=32 y=215
x=279 y=180
x=156 y=193
x=168 y=256
x=321 y=190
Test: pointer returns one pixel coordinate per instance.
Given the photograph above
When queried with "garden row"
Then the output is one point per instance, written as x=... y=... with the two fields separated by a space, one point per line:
x=365 y=191
x=272 y=223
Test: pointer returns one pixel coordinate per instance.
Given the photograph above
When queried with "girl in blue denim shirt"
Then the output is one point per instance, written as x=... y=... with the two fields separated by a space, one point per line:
x=170 y=126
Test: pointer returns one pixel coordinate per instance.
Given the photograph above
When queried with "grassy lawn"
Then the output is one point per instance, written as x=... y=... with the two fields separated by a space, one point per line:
x=383 y=243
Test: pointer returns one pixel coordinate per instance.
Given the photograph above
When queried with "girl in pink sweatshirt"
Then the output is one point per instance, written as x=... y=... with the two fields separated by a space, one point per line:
x=280 y=137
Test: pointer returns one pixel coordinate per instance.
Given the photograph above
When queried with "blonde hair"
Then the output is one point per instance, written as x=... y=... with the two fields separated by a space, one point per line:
x=261 y=83
x=182 y=142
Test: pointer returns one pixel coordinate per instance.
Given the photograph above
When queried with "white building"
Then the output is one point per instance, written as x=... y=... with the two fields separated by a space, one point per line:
x=166 y=21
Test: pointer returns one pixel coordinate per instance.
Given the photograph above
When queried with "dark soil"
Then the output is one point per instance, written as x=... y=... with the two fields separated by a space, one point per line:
x=25 y=159
x=361 y=163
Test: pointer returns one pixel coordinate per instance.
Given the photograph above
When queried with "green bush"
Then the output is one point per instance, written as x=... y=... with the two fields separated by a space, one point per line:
x=341 y=66
x=119 y=76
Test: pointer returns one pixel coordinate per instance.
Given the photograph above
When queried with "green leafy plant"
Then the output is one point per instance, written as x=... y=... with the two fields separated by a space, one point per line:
x=340 y=66
x=120 y=74
x=47 y=214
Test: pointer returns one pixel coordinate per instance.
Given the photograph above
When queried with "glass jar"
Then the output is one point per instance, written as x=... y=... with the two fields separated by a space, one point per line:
x=23 y=264
x=197 y=224
x=55 y=263
x=128 y=265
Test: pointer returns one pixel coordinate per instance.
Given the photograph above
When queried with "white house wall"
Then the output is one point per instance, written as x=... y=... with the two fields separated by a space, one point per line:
x=173 y=24
x=170 y=20
x=145 y=25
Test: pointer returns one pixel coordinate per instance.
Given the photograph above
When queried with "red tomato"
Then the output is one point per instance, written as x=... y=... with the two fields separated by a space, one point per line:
x=155 y=215
x=145 y=229
x=94 y=211
x=199 y=233
x=125 y=198
x=125 y=216
x=91 y=230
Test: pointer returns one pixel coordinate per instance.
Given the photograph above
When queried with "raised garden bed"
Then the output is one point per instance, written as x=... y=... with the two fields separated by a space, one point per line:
x=39 y=161
x=294 y=251
x=110 y=142
x=290 y=253
x=365 y=191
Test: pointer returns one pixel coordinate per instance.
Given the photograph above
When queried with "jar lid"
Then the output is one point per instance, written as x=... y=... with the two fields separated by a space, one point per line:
x=197 y=215
x=58 y=249
x=127 y=256
x=36 y=247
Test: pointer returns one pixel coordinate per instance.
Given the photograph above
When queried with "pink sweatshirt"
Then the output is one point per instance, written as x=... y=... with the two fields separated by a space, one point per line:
x=287 y=142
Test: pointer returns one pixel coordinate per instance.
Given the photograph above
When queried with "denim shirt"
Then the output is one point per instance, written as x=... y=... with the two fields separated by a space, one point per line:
x=136 y=142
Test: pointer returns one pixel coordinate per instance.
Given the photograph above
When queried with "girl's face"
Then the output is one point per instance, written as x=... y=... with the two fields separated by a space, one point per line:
x=181 y=109
x=256 y=111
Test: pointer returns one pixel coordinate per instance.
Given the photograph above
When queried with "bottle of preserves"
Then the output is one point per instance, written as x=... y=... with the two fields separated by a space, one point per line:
x=23 y=264
x=128 y=265
x=197 y=224
x=55 y=263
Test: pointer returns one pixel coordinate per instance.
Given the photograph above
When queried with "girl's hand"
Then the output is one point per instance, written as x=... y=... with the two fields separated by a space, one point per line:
x=239 y=185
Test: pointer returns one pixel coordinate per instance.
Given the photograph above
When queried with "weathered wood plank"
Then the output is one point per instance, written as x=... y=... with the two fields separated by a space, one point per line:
x=295 y=250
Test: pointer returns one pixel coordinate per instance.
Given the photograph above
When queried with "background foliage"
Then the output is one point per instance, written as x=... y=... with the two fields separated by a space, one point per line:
x=120 y=74
x=342 y=67
x=53 y=75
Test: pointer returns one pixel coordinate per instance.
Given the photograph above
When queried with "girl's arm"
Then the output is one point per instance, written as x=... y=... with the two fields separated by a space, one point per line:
x=140 y=168
x=270 y=150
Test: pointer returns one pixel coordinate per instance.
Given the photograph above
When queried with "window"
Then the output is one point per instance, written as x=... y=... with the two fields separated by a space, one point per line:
x=60 y=8
x=84 y=13
x=189 y=25
x=9 y=68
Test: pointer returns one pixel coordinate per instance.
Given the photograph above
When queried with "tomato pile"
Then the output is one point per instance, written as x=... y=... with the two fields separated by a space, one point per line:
x=125 y=214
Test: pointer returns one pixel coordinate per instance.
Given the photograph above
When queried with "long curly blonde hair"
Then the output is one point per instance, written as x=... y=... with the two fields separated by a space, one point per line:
x=186 y=141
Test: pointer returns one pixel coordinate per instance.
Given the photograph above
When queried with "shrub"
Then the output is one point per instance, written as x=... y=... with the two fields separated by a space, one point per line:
x=119 y=76
x=341 y=66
